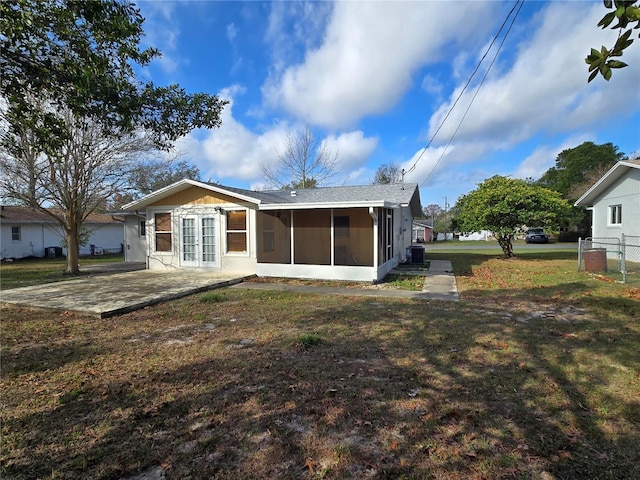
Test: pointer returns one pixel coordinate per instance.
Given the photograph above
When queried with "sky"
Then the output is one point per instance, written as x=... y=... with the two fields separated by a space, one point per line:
x=392 y=82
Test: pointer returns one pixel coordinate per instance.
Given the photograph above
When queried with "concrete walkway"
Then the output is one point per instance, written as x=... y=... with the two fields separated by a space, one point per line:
x=104 y=293
x=439 y=284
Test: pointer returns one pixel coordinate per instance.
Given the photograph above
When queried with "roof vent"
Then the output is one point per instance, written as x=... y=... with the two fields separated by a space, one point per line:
x=293 y=193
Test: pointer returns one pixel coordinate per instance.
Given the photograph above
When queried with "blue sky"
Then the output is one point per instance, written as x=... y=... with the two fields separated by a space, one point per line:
x=374 y=81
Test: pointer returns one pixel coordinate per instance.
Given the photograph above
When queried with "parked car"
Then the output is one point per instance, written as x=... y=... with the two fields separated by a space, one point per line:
x=536 y=235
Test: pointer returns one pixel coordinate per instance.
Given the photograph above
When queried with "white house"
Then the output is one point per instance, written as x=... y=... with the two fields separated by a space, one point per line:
x=614 y=201
x=27 y=232
x=341 y=233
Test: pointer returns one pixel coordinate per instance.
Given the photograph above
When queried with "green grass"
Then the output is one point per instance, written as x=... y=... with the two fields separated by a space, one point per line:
x=37 y=271
x=534 y=374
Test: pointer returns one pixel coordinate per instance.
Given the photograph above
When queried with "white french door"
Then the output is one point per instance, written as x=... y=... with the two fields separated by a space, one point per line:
x=199 y=242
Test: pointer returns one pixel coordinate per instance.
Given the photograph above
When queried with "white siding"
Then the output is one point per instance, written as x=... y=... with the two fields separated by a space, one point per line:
x=625 y=192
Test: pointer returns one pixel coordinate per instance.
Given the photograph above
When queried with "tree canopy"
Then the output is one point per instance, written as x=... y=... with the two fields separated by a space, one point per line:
x=505 y=206
x=574 y=167
x=81 y=56
x=626 y=13
x=388 y=173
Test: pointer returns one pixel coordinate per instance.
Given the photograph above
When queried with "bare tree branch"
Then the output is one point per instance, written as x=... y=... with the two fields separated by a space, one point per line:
x=305 y=162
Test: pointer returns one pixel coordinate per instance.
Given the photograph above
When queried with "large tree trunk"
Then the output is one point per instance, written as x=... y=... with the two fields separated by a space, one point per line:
x=505 y=242
x=73 y=248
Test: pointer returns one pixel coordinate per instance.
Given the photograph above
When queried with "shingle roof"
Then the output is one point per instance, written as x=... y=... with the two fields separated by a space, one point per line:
x=395 y=193
x=16 y=214
x=322 y=197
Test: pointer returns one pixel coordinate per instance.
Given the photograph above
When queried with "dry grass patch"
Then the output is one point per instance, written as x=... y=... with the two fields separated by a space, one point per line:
x=542 y=382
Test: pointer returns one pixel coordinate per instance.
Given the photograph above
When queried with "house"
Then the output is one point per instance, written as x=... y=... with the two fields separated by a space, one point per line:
x=614 y=201
x=342 y=233
x=422 y=231
x=28 y=232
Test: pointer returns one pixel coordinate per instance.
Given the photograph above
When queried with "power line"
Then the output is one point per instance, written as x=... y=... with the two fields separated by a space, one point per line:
x=521 y=2
x=474 y=96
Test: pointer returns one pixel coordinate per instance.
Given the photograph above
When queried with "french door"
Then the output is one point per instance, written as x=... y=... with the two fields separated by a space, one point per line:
x=199 y=241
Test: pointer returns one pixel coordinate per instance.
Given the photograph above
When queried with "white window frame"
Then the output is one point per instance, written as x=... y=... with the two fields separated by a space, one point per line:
x=615 y=215
x=156 y=231
x=18 y=231
x=245 y=231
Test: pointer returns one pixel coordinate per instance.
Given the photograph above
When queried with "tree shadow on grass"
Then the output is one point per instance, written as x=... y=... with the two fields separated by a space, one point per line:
x=394 y=388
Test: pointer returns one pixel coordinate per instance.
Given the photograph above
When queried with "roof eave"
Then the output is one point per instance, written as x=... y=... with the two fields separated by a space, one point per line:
x=614 y=173
x=178 y=187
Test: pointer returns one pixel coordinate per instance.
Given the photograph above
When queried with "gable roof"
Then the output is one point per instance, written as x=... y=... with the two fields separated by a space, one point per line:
x=616 y=172
x=17 y=214
x=389 y=195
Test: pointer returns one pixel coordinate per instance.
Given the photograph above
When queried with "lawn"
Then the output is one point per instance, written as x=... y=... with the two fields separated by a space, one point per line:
x=534 y=374
x=36 y=271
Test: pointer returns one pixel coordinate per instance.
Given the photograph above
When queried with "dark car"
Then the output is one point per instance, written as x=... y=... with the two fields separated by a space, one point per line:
x=536 y=235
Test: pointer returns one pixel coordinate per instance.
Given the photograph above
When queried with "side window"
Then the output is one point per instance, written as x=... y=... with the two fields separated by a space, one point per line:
x=162 y=226
x=142 y=228
x=16 y=234
x=236 y=231
x=615 y=214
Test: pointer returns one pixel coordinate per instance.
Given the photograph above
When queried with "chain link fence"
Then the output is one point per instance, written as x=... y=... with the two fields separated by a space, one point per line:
x=616 y=258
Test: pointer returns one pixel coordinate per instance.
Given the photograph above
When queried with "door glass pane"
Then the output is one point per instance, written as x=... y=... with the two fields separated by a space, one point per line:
x=208 y=240
x=188 y=240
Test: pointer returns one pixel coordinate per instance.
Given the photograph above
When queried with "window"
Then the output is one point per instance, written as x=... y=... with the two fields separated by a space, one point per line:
x=16 y=234
x=142 y=228
x=237 y=231
x=615 y=214
x=163 y=232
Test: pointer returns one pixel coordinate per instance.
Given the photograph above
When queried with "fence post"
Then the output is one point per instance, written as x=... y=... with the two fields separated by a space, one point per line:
x=623 y=262
x=579 y=252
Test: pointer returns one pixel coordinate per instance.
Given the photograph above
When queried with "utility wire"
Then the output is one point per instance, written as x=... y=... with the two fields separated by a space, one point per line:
x=474 y=96
x=413 y=167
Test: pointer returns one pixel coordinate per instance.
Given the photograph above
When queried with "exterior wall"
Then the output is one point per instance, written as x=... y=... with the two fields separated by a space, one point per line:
x=625 y=192
x=135 y=239
x=200 y=203
x=109 y=237
x=37 y=237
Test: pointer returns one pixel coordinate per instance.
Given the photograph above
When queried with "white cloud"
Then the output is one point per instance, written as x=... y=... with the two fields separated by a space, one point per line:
x=368 y=56
x=545 y=89
x=236 y=152
x=352 y=148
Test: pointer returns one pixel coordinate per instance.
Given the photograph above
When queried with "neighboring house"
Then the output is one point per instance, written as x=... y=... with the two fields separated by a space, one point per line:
x=27 y=232
x=422 y=231
x=614 y=201
x=481 y=235
x=342 y=233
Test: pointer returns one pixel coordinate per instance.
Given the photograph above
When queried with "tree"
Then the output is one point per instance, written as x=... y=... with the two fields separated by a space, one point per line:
x=86 y=171
x=433 y=211
x=573 y=166
x=153 y=175
x=68 y=74
x=80 y=55
x=388 y=173
x=505 y=206
x=602 y=61
x=305 y=162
